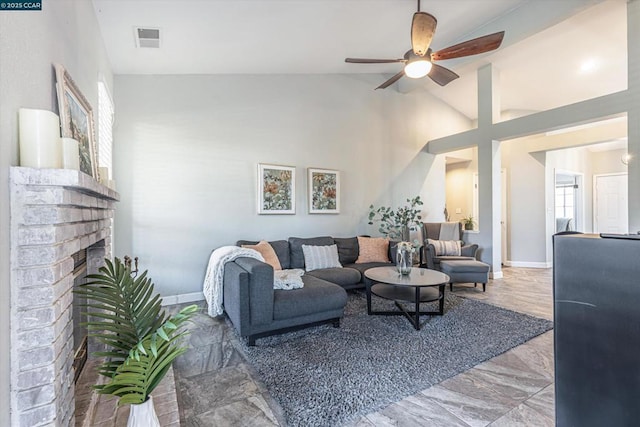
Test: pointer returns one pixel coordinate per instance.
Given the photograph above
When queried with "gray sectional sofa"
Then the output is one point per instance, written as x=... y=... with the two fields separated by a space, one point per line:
x=257 y=310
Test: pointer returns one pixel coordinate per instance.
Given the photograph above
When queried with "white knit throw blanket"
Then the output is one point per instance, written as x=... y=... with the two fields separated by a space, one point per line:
x=212 y=286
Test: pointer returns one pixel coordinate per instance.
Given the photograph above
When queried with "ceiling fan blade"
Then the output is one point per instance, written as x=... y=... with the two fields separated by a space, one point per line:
x=423 y=26
x=391 y=81
x=442 y=76
x=470 y=47
x=372 y=61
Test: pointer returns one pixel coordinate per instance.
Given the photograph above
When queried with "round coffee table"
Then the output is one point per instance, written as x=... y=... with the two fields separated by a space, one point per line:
x=420 y=286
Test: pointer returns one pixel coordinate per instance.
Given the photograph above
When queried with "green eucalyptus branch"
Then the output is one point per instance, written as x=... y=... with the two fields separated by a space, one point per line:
x=394 y=224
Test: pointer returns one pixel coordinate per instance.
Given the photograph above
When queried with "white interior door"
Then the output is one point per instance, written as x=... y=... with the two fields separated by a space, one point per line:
x=611 y=212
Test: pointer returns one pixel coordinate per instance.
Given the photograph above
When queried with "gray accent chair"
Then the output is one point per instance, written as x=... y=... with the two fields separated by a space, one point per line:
x=564 y=224
x=431 y=230
x=460 y=269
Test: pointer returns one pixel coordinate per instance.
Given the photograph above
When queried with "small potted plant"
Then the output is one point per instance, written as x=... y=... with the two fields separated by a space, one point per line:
x=140 y=341
x=469 y=222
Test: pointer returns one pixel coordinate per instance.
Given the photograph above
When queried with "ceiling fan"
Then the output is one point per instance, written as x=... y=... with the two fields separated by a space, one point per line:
x=419 y=60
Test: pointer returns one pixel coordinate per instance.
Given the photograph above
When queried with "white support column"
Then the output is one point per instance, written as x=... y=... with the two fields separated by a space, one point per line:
x=489 y=164
x=488 y=97
x=633 y=118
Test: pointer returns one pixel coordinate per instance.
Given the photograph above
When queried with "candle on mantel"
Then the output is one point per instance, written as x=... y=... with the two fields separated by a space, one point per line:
x=39 y=132
x=103 y=173
x=70 y=154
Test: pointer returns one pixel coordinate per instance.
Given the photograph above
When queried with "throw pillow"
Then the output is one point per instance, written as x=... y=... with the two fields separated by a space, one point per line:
x=317 y=257
x=373 y=249
x=295 y=247
x=445 y=247
x=347 y=249
x=267 y=252
x=288 y=279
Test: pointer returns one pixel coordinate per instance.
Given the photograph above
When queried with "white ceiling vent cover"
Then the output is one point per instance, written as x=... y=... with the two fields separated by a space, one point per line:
x=147 y=37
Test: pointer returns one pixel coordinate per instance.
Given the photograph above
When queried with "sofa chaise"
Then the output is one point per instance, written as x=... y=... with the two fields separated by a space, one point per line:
x=258 y=310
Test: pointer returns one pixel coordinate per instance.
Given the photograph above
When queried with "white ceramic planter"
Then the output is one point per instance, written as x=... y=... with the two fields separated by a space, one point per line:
x=143 y=415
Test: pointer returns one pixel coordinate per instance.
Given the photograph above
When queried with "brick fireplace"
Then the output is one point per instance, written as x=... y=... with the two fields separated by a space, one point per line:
x=55 y=214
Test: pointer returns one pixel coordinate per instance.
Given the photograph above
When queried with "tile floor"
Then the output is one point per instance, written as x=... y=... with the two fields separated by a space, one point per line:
x=216 y=387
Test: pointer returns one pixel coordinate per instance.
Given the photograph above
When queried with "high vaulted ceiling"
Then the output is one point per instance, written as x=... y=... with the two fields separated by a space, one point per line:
x=544 y=61
x=277 y=36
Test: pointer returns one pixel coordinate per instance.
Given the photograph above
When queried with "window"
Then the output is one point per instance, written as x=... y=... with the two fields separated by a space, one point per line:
x=565 y=201
x=105 y=129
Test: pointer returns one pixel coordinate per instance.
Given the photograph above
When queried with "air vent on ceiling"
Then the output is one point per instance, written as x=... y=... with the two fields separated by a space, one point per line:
x=147 y=37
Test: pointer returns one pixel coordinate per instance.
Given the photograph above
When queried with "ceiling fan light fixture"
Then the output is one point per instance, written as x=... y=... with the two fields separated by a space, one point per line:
x=421 y=61
x=417 y=68
x=423 y=26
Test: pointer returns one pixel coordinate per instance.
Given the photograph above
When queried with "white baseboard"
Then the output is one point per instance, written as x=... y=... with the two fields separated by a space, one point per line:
x=527 y=264
x=182 y=298
x=198 y=296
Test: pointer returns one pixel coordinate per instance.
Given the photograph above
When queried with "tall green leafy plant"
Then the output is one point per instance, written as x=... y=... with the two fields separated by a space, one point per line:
x=395 y=223
x=140 y=341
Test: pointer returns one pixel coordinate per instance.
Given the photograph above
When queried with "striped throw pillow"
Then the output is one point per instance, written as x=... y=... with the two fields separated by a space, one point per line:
x=445 y=247
x=317 y=257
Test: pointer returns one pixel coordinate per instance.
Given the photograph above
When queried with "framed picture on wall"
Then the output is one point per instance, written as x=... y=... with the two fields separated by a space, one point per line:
x=76 y=120
x=324 y=191
x=276 y=189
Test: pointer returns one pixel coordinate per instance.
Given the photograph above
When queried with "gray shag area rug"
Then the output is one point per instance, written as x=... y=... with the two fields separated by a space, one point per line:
x=325 y=376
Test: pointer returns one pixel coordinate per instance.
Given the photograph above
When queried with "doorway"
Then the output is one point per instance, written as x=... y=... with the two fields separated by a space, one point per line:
x=610 y=203
x=568 y=201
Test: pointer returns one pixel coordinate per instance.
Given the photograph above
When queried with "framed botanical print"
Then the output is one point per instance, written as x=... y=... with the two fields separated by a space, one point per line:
x=276 y=189
x=324 y=191
x=76 y=120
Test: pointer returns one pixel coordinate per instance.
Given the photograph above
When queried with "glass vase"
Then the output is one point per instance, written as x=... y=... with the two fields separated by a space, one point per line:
x=404 y=261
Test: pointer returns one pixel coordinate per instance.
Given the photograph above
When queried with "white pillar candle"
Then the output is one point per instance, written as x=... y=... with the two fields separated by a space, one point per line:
x=103 y=172
x=70 y=154
x=39 y=139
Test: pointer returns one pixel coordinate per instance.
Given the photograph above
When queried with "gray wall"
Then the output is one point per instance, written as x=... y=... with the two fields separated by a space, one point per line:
x=66 y=32
x=187 y=149
x=608 y=161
